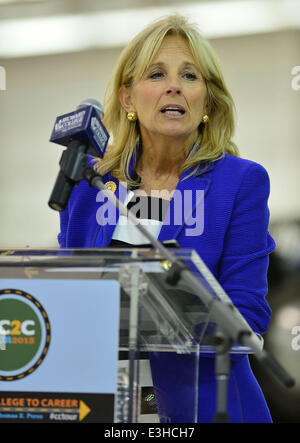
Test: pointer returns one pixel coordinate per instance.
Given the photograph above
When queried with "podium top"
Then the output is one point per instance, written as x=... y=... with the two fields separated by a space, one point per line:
x=180 y=301
x=96 y=259
x=8 y=256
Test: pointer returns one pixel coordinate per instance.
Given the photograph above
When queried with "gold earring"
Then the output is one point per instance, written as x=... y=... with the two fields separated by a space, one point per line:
x=132 y=116
x=205 y=118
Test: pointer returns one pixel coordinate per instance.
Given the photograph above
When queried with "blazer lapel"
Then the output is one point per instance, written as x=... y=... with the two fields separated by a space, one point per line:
x=107 y=213
x=187 y=200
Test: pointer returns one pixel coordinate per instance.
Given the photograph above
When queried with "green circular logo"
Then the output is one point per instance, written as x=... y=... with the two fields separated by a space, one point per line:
x=24 y=334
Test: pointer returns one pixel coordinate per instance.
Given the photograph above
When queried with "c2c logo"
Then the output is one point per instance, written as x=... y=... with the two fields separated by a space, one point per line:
x=24 y=332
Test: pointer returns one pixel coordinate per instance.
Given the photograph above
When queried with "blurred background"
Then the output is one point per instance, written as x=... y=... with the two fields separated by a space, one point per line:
x=55 y=53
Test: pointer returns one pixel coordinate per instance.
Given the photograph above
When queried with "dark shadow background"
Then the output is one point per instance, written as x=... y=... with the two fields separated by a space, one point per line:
x=284 y=299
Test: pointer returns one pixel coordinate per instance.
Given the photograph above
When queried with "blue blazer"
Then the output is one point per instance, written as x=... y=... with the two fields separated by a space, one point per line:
x=232 y=239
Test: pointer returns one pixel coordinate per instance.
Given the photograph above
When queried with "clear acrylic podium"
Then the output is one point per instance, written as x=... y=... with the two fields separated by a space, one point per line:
x=155 y=318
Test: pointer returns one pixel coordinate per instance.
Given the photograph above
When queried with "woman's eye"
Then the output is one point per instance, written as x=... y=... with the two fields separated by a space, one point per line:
x=156 y=74
x=190 y=76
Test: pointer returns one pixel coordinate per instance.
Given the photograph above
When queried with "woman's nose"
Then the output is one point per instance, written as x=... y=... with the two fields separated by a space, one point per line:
x=173 y=87
x=173 y=90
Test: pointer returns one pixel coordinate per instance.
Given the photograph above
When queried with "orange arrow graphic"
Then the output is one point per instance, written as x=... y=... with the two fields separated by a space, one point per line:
x=84 y=410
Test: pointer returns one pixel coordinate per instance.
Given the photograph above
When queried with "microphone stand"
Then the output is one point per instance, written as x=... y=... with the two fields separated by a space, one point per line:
x=232 y=327
x=222 y=345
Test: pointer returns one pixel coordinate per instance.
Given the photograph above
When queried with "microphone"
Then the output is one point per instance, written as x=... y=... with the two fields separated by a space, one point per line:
x=80 y=131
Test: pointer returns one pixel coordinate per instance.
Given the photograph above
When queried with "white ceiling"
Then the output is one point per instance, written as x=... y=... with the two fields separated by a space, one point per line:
x=40 y=27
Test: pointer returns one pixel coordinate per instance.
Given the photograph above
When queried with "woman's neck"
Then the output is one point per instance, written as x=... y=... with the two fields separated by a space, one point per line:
x=161 y=159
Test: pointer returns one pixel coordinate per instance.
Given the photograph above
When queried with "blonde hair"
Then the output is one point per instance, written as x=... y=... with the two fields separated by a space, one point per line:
x=214 y=138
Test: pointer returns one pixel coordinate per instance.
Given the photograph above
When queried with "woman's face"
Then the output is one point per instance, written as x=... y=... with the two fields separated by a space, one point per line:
x=170 y=99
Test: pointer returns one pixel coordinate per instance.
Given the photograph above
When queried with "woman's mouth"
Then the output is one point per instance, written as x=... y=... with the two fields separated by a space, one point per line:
x=173 y=111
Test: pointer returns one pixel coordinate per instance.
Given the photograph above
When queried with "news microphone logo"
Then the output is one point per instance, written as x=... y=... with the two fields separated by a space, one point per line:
x=2 y=79
x=84 y=125
x=80 y=131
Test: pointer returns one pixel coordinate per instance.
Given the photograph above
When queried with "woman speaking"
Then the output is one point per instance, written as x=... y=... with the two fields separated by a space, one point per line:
x=171 y=120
